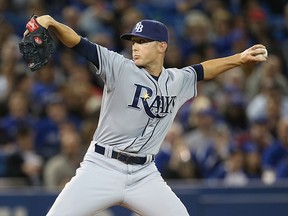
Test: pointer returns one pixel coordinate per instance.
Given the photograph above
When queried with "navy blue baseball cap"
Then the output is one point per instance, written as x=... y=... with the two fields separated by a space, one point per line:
x=149 y=29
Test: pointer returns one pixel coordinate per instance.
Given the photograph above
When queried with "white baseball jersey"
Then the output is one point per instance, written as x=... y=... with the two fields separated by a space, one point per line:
x=136 y=113
x=138 y=110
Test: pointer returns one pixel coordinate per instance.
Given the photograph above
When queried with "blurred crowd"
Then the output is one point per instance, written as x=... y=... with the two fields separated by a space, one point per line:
x=235 y=130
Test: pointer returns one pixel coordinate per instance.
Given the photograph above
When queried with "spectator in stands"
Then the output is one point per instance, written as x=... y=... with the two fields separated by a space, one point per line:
x=272 y=69
x=23 y=83
x=76 y=97
x=24 y=162
x=60 y=168
x=206 y=139
x=6 y=146
x=274 y=160
x=45 y=85
x=97 y=17
x=91 y=118
x=232 y=103
x=174 y=160
x=18 y=115
x=224 y=32
x=271 y=95
x=259 y=135
x=257 y=22
x=173 y=56
x=282 y=170
x=47 y=131
x=71 y=17
x=35 y=7
x=232 y=170
x=252 y=162
x=126 y=15
x=9 y=66
x=218 y=152
x=202 y=118
x=284 y=37
x=127 y=21
x=197 y=36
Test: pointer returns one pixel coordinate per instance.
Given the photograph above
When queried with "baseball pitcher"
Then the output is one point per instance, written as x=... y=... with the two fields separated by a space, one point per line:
x=140 y=101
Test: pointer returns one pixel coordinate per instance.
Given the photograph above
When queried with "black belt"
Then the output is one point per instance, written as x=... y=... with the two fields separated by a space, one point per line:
x=122 y=156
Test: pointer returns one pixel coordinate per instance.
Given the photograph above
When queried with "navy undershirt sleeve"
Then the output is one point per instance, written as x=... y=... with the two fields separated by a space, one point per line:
x=87 y=49
x=199 y=71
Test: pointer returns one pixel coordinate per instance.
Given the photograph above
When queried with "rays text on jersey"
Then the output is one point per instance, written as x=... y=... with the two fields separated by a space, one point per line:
x=155 y=107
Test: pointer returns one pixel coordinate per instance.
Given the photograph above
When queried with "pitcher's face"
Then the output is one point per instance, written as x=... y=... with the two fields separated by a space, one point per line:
x=144 y=51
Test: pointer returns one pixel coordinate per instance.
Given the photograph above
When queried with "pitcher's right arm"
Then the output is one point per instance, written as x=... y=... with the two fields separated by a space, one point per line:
x=70 y=38
x=63 y=32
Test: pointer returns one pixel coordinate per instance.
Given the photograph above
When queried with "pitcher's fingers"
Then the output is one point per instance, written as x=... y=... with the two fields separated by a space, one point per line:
x=26 y=33
x=257 y=46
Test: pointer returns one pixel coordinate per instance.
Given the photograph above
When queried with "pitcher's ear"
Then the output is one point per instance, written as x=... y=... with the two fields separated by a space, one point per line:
x=163 y=46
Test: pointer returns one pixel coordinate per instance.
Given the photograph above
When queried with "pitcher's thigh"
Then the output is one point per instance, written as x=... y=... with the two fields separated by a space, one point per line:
x=154 y=198
x=90 y=190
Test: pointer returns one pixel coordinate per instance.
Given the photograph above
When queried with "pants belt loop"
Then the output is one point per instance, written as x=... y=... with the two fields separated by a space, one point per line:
x=108 y=151
x=149 y=159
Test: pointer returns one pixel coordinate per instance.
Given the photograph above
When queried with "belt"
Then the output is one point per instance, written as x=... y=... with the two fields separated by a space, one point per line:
x=124 y=157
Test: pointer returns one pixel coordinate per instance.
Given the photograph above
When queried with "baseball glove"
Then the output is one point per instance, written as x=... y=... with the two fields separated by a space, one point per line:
x=37 y=46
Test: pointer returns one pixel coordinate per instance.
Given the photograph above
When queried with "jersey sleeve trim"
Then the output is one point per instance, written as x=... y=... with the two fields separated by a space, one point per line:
x=100 y=63
x=199 y=71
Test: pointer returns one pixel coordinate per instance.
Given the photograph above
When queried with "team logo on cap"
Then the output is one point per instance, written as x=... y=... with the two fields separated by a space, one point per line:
x=138 y=27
